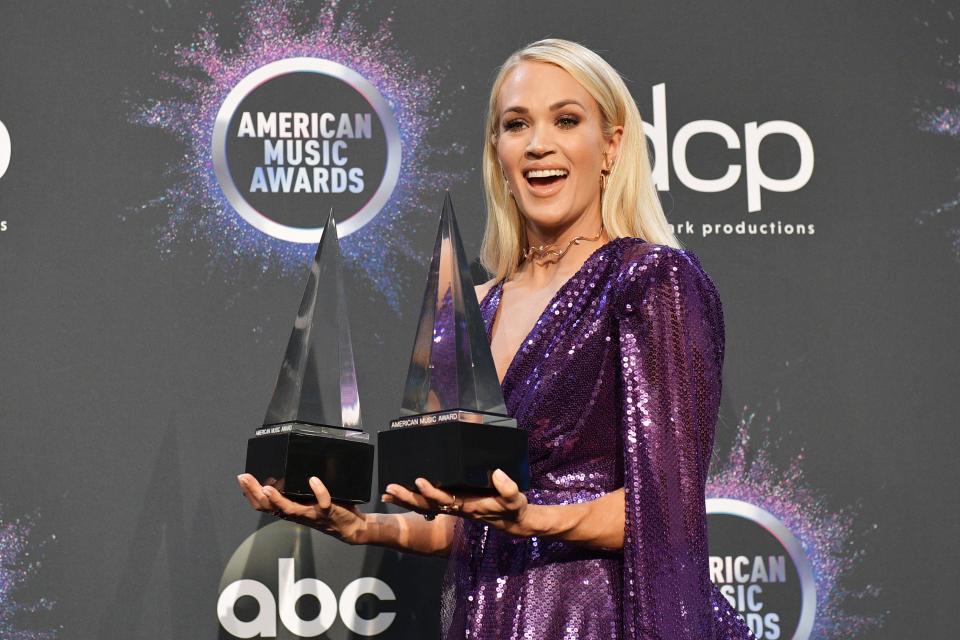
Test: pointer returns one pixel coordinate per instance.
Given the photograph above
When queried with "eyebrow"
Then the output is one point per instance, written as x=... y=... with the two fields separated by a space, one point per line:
x=553 y=107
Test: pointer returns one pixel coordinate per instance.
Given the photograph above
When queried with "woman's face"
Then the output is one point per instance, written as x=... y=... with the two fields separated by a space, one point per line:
x=550 y=144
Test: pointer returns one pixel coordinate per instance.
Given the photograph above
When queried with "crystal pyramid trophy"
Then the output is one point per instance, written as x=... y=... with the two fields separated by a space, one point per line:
x=312 y=426
x=453 y=429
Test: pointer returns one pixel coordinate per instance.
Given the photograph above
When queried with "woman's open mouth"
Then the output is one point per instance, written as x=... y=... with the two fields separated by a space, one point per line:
x=545 y=181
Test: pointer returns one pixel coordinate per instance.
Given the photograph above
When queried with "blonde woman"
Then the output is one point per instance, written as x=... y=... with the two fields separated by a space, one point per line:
x=608 y=339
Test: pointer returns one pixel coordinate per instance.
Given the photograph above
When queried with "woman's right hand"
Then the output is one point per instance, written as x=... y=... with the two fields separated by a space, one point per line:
x=346 y=523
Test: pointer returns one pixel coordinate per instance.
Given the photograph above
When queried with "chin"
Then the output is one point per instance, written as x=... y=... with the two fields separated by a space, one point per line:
x=548 y=215
x=547 y=220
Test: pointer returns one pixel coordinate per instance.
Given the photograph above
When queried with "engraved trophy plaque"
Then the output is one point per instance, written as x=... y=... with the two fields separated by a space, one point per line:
x=453 y=429
x=312 y=426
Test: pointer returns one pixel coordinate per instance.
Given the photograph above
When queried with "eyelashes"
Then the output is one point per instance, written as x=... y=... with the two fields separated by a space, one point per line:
x=564 y=122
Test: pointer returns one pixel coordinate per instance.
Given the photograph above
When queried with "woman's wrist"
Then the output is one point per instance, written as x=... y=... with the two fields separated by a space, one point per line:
x=404 y=532
x=365 y=529
x=597 y=523
x=354 y=531
x=551 y=520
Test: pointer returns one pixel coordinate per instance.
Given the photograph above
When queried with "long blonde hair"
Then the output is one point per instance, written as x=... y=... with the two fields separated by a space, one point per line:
x=630 y=204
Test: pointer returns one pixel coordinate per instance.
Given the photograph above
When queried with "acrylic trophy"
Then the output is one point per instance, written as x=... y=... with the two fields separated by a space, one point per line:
x=312 y=426
x=453 y=429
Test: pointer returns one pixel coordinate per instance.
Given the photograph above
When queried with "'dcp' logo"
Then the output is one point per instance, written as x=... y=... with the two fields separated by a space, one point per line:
x=761 y=569
x=287 y=581
x=300 y=136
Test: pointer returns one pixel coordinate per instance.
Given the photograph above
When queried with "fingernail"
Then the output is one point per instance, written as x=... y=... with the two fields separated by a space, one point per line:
x=391 y=488
x=419 y=482
x=499 y=473
x=240 y=478
x=266 y=491
x=314 y=480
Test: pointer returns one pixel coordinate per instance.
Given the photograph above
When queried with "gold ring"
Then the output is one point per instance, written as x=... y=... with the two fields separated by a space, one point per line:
x=449 y=508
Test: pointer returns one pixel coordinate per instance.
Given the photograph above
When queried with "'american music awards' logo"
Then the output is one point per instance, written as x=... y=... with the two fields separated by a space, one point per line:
x=300 y=136
x=762 y=570
x=287 y=112
x=779 y=553
x=5 y=149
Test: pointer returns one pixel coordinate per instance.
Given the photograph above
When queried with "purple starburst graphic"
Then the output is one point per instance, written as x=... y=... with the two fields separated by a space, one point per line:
x=749 y=474
x=196 y=211
x=17 y=566
x=940 y=114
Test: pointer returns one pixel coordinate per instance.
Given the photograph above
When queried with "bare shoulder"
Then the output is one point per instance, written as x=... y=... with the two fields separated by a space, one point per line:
x=482 y=289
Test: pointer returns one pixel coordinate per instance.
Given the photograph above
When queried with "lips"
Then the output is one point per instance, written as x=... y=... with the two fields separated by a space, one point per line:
x=545 y=181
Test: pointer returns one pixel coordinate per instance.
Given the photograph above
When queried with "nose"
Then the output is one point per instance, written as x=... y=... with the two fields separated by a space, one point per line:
x=540 y=142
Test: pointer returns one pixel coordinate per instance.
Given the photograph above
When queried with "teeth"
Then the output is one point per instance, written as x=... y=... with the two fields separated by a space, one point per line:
x=546 y=173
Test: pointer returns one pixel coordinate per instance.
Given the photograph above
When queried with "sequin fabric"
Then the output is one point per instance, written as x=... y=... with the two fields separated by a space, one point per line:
x=618 y=385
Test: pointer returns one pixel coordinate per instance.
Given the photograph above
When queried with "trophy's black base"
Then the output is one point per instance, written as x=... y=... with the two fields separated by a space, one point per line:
x=460 y=457
x=285 y=456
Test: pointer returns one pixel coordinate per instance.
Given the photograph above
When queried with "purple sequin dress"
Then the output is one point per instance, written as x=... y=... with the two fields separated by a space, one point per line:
x=618 y=385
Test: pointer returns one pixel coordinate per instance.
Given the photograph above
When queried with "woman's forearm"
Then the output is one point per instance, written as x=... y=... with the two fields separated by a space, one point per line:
x=409 y=532
x=598 y=523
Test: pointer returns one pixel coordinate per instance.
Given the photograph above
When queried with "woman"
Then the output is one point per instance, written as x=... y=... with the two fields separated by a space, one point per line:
x=609 y=341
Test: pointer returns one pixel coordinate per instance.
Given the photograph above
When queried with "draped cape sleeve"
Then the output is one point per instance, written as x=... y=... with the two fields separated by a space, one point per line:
x=671 y=348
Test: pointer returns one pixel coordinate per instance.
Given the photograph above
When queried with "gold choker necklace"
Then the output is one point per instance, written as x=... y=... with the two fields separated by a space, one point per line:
x=545 y=250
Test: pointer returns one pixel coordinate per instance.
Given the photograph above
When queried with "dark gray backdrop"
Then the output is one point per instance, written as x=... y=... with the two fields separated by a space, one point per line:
x=130 y=377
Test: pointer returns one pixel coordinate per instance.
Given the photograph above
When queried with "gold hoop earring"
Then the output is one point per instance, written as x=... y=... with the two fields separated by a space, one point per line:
x=506 y=183
x=604 y=173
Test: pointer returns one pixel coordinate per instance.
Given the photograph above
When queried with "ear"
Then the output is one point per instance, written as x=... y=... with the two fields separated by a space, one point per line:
x=612 y=146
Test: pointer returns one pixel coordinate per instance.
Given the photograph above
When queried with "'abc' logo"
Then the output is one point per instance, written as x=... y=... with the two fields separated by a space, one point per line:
x=284 y=606
x=287 y=581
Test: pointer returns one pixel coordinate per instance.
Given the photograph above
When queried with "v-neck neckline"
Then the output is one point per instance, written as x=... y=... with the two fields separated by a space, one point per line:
x=532 y=335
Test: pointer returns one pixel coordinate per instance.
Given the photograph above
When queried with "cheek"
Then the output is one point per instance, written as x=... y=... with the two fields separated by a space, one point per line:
x=509 y=154
x=588 y=155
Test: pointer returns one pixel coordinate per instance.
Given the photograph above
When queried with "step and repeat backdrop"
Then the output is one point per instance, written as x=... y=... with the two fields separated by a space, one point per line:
x=165 y=171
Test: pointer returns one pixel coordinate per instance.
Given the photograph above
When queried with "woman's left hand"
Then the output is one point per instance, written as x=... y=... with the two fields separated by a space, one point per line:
x=508 y=510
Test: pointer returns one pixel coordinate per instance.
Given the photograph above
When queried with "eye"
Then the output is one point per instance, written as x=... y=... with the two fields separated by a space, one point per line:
x=513 y=125
x=567 y=122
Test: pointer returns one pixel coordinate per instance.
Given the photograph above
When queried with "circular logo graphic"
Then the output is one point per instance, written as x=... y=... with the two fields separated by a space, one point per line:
x=287 y=581
x=5 y=149
x=761 y=569
x=299 y=137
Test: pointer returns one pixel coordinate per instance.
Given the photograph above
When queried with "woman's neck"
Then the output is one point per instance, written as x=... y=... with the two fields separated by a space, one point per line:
x=542 y=270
